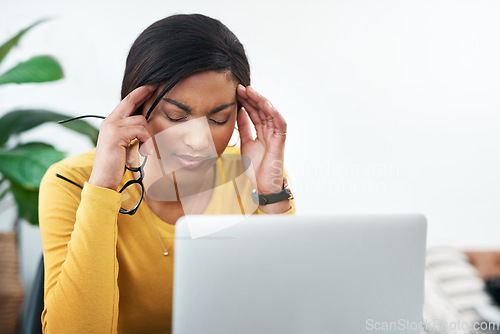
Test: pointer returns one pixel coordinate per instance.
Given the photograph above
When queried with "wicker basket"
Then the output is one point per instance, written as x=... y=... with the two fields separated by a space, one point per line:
x=11 y=289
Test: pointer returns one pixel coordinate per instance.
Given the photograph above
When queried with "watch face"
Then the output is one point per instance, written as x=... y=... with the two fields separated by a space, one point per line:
x=255 y=197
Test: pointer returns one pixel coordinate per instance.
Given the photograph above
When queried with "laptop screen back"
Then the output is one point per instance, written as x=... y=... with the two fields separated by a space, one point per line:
x=299 y=274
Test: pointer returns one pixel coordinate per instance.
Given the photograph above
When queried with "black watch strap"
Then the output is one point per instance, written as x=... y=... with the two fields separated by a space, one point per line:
x=282 y=195
x=271 y=198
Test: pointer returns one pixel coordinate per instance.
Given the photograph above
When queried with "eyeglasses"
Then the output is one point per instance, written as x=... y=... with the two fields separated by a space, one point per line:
x=139 y=169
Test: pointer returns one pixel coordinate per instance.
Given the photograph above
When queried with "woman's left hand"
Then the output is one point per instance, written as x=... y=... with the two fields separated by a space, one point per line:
x=267 y=150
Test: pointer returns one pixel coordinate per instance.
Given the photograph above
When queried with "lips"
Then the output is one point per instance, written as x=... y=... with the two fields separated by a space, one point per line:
x=189 y=161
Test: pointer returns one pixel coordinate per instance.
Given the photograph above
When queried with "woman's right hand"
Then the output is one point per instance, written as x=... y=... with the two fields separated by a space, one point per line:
x=116 y=133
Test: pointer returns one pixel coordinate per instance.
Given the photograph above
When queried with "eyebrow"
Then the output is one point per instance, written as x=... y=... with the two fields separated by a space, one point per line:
x=187 y=109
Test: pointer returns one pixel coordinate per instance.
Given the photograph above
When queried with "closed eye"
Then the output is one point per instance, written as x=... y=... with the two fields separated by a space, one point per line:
x=188 y=111
x=185 y=117
x=219 y=123
x=176 y=115
x=175 y=119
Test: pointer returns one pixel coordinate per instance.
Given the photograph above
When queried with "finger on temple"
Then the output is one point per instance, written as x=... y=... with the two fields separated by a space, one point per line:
x=254 y=115
x=249 y=101
x=132 y=101
x=254 y=98
x=241 y=90
x=253 y=94
x=244 y=127
x=274 y=116
x=258 y=102
x=261 y=103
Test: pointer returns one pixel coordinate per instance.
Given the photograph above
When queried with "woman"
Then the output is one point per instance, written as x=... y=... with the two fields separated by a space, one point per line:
x=108 y=258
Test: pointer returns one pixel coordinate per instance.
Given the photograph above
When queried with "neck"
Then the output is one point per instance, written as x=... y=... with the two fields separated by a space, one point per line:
x=191 y=198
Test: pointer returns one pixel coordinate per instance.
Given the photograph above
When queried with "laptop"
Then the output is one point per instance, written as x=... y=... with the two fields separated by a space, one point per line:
x=278 y=274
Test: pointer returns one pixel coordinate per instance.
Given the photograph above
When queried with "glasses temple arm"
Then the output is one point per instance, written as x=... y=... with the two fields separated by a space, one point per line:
x=80 y=117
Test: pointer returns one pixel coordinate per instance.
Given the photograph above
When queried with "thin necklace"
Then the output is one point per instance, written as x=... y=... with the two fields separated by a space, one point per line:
x=156 y=230
x=165 y=249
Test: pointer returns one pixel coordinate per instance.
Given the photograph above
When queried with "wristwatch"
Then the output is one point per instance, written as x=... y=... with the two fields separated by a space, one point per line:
x=282 y=195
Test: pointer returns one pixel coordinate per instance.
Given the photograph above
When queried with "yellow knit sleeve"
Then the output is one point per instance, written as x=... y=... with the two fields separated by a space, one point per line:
x=79 y=236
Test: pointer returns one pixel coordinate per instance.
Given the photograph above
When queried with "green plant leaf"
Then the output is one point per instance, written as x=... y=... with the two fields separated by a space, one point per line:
x=35 y=69
x=26 y=164
x=4 y=192
x=35 y=145
x=18 y=121
x=7 y=46
x=27 y=202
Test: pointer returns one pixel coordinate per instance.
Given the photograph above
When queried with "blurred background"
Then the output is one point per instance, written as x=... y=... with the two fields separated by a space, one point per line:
x=392 y=105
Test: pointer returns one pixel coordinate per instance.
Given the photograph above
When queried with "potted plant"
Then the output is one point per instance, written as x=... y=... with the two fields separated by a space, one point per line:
x=22 y=165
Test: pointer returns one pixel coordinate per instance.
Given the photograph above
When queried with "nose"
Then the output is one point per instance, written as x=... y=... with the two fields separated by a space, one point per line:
x=197 y=135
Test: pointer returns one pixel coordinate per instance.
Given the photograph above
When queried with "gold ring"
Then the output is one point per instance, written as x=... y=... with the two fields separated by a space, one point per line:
x=280 y=133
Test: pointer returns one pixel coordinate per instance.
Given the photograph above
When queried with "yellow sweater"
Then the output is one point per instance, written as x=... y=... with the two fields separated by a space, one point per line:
x=105 y=272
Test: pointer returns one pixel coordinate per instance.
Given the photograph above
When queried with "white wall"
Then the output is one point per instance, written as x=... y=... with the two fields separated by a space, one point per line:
x=392 y=105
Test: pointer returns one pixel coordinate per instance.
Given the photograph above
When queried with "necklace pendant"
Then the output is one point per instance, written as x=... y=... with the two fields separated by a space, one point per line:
x=165 y=253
